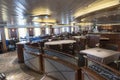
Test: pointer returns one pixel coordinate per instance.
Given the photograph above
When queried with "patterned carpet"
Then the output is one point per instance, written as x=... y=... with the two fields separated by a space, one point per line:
x=14 y=70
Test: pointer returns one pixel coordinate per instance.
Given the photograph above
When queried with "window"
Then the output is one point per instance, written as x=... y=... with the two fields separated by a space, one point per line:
x=47 y=30
x=37 y=31
x=22 y=32
x=56 y=31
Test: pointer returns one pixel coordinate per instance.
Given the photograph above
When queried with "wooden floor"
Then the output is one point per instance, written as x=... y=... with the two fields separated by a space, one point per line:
x=14 y=70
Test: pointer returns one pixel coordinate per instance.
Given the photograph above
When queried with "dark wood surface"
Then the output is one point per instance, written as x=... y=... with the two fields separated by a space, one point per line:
x=93 y=40
x=31 y=31
x=114 y=38
x=13 y=32
x=20 y=46
x=20 y=52
x=3 y=40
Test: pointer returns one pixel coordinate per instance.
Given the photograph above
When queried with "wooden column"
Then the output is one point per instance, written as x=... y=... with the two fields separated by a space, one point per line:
x=73 y=29
x=70 y=29
x=51 y=30
x=3 y=40
x=43 y=30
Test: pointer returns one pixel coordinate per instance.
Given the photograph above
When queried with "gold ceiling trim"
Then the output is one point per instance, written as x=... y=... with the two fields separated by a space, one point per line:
x=109 y=24
x=41 y=11
x=45 y=20
x=95 y=6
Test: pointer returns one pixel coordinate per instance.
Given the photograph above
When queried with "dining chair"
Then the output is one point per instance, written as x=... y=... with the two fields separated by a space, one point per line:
x=93 y=40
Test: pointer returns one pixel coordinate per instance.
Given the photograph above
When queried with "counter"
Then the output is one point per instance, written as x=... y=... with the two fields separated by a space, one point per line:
x=20 y=46
x=114 y=37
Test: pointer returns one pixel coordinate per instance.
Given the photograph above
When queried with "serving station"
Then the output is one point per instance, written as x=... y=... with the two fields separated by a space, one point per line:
x=98 y=64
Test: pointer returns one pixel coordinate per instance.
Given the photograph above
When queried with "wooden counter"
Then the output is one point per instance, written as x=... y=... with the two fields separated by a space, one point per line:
x=114 y=37
x=20 y=46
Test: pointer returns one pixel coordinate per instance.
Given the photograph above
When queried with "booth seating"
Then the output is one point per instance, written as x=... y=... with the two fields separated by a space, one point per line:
x=11 y=44
x=39 y=39
x=60 y=66
x=33 y=58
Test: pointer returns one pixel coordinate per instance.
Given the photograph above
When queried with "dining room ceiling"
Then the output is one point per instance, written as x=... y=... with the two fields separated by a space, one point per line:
x=105 y=16
x=13 y=10
x=16 y=11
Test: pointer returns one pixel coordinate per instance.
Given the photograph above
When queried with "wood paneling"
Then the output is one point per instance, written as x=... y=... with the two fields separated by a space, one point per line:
x=13 y=33
x=30 y=31
x=43 y=30
x=115 y=28
x=114 y=38
x=20 y=46
x=51 y=30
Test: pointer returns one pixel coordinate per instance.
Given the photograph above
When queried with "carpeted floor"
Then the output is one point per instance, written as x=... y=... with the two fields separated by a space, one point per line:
x=14 y=70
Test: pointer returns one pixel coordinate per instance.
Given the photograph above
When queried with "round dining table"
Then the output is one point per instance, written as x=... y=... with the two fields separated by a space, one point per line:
x=59 y=42
x=61 y=45
x=78 y=37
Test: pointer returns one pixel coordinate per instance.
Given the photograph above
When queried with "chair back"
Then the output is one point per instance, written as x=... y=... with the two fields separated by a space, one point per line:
x=92 y=40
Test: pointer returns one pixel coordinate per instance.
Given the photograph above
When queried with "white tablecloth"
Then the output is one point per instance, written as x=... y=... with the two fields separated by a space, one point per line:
x=78 y=37
x=102 y=55
x=99 y=52
x=60 y=42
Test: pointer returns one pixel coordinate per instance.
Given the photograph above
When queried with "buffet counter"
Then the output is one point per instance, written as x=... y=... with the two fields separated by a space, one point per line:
x=113 y=37
x=104 y=33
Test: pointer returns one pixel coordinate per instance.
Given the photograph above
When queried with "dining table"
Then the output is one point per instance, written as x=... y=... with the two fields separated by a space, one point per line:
x=59 y=42
x=61 y=45
x=102 y=55
x=79 y=37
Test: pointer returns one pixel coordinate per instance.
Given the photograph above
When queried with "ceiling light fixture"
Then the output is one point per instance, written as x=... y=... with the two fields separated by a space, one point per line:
x=43 y=19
